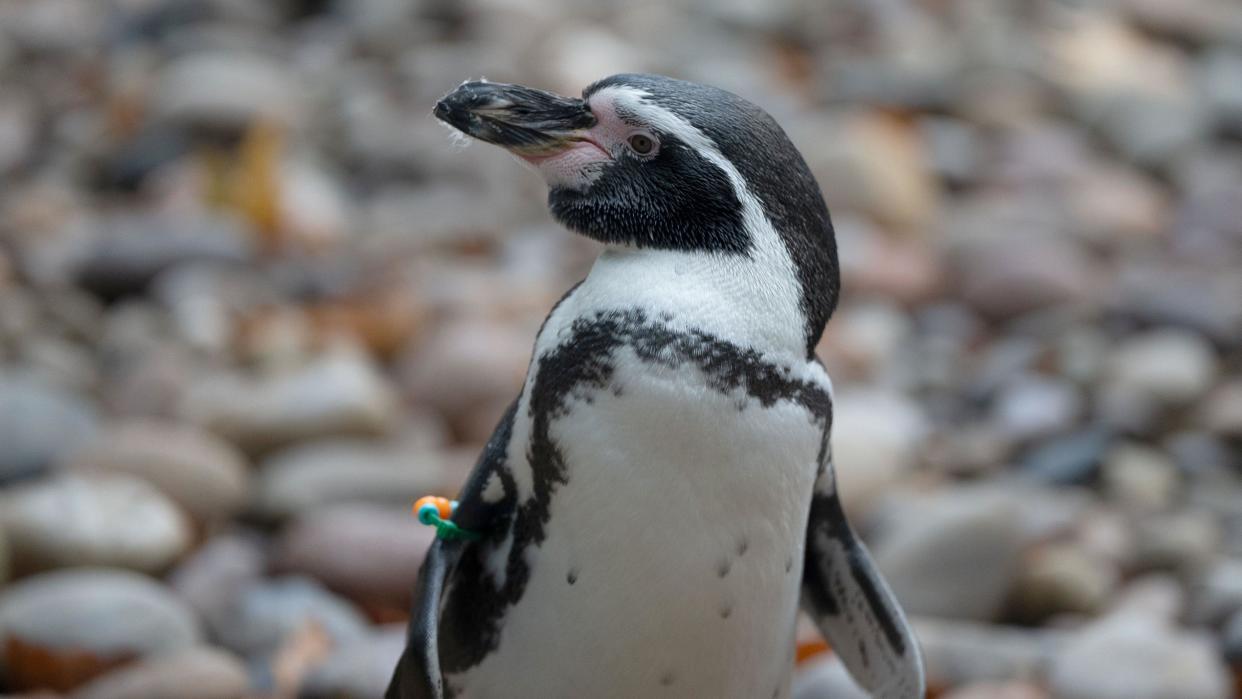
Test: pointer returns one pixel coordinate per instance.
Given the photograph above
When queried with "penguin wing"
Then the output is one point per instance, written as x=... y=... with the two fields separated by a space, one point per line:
x=418 y=675
x=851 y=604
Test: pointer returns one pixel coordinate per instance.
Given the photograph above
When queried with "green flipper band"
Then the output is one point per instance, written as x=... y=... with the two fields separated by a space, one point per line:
x=446 y=529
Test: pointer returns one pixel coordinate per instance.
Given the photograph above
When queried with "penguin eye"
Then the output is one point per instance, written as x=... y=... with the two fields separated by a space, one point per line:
x=641 y=143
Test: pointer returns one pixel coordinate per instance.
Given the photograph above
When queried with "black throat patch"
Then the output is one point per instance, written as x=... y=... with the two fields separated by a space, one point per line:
x=677 y=200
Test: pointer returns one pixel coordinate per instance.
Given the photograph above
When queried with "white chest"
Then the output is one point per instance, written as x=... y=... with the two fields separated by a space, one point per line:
x=674 y=549
x=672 y=555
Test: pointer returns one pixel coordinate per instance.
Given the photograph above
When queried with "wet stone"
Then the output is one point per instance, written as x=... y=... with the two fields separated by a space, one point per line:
x=131 y=615
x=110 y=520
x=339 y=394
x=360 y=667
x=39 y=423
x=955 y=557
x=265 y=613
x=325 y=472
x=368 y=553
x=1074 y=458
x=203 y=474
x=1132 y=657
x=193 y=673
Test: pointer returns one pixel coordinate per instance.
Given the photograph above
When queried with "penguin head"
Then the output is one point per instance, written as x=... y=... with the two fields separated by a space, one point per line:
x=652 y=162
x=647 y=160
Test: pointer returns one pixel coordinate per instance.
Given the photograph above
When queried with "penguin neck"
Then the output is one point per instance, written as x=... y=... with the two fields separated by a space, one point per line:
x=750 y=299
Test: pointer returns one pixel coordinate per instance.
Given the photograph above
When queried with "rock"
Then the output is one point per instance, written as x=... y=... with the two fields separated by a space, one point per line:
x=957 y=653
x=265 y=613
x=1031 y=407
x=826 y=679
x=204 y=474
x=1151 y=130
x=997 y=690
x=1155 y=596
x=967 y=451
x=874 y=263
x=198 y=300
x=955 y=557
x=1043 y=152
x=1126 y=409
x=1005 y=358
x=1081 y=354
x=4 y=557
x=359 y=668
x=1231 y=640
x=17 y=130
x=301 y=478
x=1134 y=91
x=109 y=520
x=38 y=424
x=443 y=212
x=226 y=89
x=61 y=628
x=580 y=56
x=468 y=365
x=370 y=554
x=1218 y=74
x=339 y=394
x=313 y=210
x=153 y=386
x=1170 y=366
x=1155 y=294
x=872 y=163
x=889 y=78
x=56 y=27
x=194 y=673
x=1128 y=656
x=1192 y=22
x=1117 y=205
x=1216 y=593
x=1106 y=535
x=1198 y=454
x=1007 y=277
x=870 y=454
x=953 y=147
x=6 y=272
x=213 y=578
x=66 y=364
x=1061 y=579
x=1044 y=513
x=131 y=161
x=865 y=339
x=1140 y=478
x=1074 y=458
x=1182 y=541
x=1222 y=412
x=130 y=251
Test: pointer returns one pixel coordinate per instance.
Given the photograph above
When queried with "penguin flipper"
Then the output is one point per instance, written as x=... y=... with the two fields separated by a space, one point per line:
x=851 y=604
x=418 y=674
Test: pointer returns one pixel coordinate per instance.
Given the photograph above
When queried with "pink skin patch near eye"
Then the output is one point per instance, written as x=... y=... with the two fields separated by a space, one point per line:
x=579 y=164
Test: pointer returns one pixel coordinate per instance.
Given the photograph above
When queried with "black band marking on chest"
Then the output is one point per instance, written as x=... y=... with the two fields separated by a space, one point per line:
x=586 y=360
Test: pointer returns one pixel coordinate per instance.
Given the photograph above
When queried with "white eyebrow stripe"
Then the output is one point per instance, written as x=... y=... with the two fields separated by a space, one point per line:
x=635 y=100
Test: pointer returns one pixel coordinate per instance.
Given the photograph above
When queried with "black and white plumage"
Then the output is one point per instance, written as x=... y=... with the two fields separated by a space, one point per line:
x=660 y=499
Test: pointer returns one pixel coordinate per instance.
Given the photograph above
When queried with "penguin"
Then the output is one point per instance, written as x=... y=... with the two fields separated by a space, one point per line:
x=659 y=501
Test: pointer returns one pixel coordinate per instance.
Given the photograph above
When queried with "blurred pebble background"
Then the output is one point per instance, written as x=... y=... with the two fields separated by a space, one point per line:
x=254 y=301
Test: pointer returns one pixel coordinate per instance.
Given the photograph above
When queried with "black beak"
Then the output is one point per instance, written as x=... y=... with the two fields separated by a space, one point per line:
x=521 y=119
